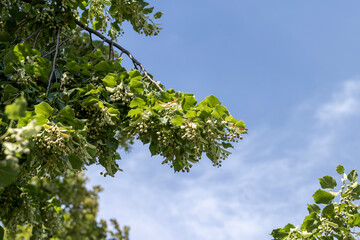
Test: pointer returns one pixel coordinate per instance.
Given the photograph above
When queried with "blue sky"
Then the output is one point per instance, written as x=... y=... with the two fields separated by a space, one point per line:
x=290 y=70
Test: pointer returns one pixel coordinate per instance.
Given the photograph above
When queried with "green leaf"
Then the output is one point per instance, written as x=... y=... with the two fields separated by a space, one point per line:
x=177 y=120
x=240 y=124
x=355 y=220
x=328 y=211
x=42 y=69
x=313 y=208
x=102 y=67
x=188 y=102
x=231 y=119
x=227 y=145
x=76 y=162
x=311 y=222
x=9 y=91
x=8 y=172
x=340 y=169
x=73 y=66
x=212 y=101
x=178 y=165
x=353 y=176
x=280 y=233
x=322 y=197
x=110 y=80
x=158 y=15
x=136 y=86
x=153 y=148
x=191 y=114
x=40 y=119
x=22 y=50
x=327 y=182
x=137 y=102
x=25 y=120
x=43 y=109
x=67 y=116
x=134 y=112
x=17 y=109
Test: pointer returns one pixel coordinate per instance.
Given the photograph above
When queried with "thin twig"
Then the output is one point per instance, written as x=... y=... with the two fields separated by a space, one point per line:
x=98 y=46
x=64 y=41
x=136 y=62
x=91 y=42
x=27 y=38
x=36 y=39
x=110 y=50
x=54 y=61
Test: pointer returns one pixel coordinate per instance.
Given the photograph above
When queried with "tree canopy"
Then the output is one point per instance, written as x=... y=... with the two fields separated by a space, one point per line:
x=329 y=219
x=67 y=103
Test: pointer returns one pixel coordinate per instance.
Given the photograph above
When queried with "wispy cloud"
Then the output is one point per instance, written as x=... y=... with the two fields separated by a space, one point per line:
x=265 y=184
x=344 y=103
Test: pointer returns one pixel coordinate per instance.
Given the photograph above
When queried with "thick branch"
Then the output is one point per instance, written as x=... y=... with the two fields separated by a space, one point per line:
x=136 y=62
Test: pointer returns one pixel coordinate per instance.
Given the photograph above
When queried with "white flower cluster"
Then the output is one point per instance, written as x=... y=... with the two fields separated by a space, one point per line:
x=120 y=94
x=53 y=141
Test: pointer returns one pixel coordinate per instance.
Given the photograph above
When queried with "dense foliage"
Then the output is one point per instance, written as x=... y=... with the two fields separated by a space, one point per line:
x=329 y=219
x=66 y=103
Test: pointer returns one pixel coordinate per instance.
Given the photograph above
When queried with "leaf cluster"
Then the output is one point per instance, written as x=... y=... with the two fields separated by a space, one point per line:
x=66 y=104
x=329 y=219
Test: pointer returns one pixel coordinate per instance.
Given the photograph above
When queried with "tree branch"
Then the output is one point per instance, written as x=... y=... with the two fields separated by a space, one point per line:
x=62 y=42
x=136 y=62
x=36 y=39
x=54 y=61
x=27 y=38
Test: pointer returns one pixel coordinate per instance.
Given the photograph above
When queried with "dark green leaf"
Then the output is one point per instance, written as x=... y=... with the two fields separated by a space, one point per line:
x=1 y=233
x=158 y=15
x=328 y=211
x=8 y=172
x=102 y=67
x=72 y=66
x=340 y=169
x=353 y=176
x=178 y=165
x=327 y=182
x=76 y=162
x=311 y=222
x=281 y=233
x=313 y=208
x=153 y=148
x=9 y=91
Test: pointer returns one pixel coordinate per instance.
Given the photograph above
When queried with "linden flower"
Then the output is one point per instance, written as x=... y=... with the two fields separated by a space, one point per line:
x=192 y=125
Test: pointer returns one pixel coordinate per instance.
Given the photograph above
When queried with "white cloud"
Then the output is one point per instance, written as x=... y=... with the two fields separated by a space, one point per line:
x=343 y=104
x=265 y=184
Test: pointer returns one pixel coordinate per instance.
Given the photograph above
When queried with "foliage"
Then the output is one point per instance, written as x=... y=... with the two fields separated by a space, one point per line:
x=328 y=219
x=70 y=206
x=66 y=103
